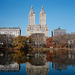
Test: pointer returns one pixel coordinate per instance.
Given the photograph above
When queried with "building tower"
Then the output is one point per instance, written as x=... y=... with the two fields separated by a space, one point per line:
x=32 y=28
x=42 y=17
x=31 y=17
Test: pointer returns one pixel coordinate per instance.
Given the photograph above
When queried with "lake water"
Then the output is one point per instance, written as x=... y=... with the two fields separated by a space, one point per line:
x=61 y=62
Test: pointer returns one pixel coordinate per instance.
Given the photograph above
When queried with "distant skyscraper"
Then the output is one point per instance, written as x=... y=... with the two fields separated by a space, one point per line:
x=58 y=31
x=32 y=28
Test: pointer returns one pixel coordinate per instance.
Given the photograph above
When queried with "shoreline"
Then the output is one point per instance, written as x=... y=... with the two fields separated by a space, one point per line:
x=37 y=49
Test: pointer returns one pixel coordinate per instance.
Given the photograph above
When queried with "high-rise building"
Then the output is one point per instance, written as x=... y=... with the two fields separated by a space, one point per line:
x=32 y=28
x=58 y=31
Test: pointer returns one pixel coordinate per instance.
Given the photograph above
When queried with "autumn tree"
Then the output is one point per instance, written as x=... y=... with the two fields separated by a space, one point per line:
x=50 y=42
x=21 y=42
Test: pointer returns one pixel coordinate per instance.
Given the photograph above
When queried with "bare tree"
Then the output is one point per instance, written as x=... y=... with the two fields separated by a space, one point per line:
x=63 y=40
x=38 y=39
x=6 y=40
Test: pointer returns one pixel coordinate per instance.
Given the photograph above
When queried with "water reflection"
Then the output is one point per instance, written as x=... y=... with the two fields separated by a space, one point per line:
x=7 y=63
x=37 y=63
x=61 y=59
x=38 y=66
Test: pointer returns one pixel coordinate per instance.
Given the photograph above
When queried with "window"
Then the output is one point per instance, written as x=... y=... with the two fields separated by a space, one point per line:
x=42 y=14
x=31 y=14
x=11 y=32
x=27 y=29
x=5 y=32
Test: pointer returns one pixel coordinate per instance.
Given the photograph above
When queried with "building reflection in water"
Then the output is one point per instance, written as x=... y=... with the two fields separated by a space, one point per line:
x=38 y=63
x=61 y=59
x=71 y=58
x=59 y=67
x=38 y=66
x=7 y=63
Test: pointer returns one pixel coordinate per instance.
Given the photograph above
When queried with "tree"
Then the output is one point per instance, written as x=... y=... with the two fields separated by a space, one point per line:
x=6 y=39
x=38 y=39
x=21 y=42
x=50 y=42
x=60 y=41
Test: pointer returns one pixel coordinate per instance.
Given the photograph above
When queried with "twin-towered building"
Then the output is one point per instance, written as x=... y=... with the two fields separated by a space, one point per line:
x=32 y=28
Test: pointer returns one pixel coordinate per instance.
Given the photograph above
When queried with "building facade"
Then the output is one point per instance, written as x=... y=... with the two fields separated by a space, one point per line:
x=32 y=28
x=15 y=31
x=58 y=31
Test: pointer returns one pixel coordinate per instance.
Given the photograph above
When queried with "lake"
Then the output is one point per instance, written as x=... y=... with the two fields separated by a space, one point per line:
x=53 y=62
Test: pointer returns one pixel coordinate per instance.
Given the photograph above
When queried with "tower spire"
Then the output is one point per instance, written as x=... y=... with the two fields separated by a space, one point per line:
x=31 y=9
x=42 y=7
x=42 y=10
x=42 y=17
x=31 y=17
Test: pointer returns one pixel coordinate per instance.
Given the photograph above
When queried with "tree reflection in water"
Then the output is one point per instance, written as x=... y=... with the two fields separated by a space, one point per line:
x=20 y=57
x=7 y=63
x=61 y=59
x=37 y=63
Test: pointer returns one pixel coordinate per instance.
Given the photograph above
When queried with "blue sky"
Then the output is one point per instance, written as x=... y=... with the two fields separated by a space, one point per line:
x=14 y=13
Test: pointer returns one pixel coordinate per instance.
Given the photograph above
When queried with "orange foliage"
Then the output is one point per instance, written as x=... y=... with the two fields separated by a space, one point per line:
x=61 y=52
x=50 y=56
x=49 y=42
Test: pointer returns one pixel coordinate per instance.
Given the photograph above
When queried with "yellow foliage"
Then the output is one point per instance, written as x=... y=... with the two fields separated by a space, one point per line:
x=20 y=42
x=19 y=57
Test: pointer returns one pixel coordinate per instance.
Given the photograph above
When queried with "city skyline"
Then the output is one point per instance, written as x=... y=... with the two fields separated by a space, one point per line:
x=14 y=13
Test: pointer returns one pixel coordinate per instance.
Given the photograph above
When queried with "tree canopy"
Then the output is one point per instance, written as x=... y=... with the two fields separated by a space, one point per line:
x=50 y=42
x=21 y=42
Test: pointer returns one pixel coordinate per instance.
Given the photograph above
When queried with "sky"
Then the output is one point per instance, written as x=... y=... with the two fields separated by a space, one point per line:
x=14 y=13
